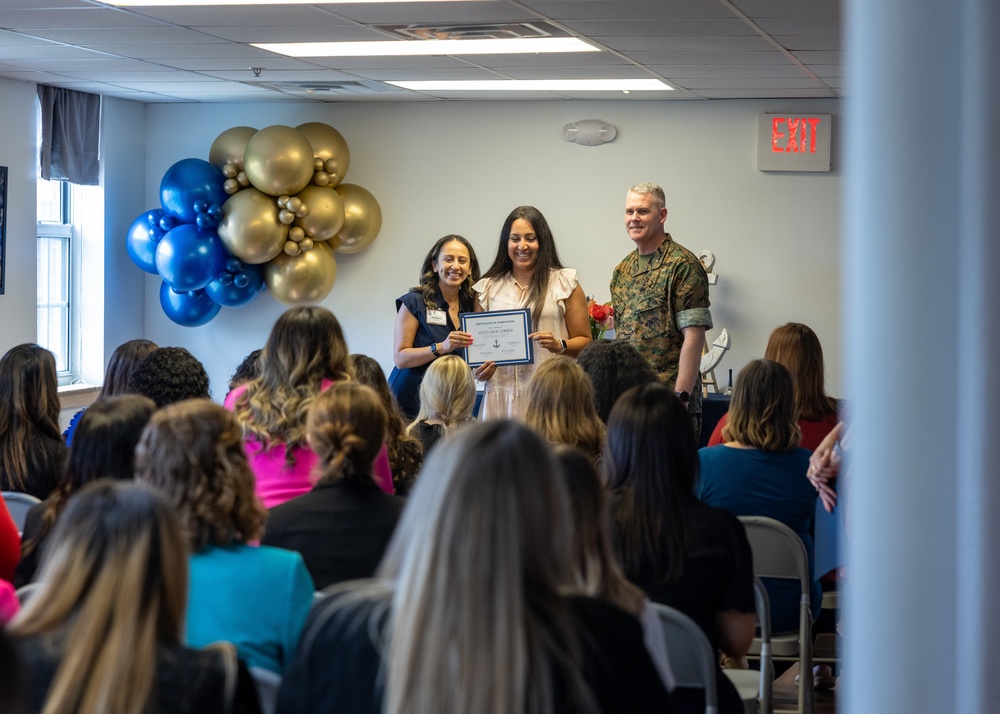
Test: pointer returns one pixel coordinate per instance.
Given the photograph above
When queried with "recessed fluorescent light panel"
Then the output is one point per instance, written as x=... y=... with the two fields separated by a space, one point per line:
x=538 y=85
x=395 y=48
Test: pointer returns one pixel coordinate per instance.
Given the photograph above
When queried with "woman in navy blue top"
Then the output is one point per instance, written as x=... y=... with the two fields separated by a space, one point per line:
x=427 y=317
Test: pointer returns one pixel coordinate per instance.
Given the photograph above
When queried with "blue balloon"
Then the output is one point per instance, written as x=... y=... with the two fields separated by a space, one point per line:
x=189 y=309
x=227 y=290
x=190 y=183
x=189 y=258
x=142 y=238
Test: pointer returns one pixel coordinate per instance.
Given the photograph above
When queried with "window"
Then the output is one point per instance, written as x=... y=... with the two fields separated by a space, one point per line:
x=55 y=270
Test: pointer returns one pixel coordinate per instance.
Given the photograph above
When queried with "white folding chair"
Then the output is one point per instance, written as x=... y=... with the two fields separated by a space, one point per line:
x=19 y=504
x=779 y=553
x=692 y=658
x=754 y=686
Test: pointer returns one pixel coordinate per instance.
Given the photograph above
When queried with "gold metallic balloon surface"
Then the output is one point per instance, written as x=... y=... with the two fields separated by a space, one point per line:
x=229 y=147
x=250 y=228
x=329 y=145
x=302 y=279
x=362 y=218
x=279 y=160
x=326 y=212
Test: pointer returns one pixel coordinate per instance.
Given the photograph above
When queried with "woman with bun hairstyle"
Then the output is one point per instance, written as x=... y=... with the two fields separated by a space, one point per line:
x=304 y=355
x=102 y=633
x=342 y=526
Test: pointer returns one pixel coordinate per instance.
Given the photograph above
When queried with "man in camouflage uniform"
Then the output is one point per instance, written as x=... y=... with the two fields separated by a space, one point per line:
x=660 y=296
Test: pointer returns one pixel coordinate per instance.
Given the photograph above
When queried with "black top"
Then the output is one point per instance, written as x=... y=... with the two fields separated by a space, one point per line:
x=341 y=528
x=337 y=666
x=429 y=434
x=188 y=681
x=28 y=564
x=42 y=476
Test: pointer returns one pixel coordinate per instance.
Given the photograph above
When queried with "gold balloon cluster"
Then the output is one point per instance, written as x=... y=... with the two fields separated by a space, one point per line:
x=288 y=207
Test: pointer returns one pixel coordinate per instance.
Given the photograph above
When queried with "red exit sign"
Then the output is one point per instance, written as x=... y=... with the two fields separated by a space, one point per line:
x=793 y=142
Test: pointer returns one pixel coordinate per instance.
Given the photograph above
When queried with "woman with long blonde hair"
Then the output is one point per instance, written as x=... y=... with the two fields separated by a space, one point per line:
x=561 y=406
x=102 y=632
x=470 y=610
x=255 y=597
x=305 y=353
x=447 y=398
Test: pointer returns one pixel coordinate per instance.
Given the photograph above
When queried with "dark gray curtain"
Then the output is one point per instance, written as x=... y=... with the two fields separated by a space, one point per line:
x=71 y=135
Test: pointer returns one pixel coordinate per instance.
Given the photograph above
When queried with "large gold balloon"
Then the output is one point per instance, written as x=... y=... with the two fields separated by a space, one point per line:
x=250 y=228
x=304 y=278
x=279 y=160
x=229 y=147
x=362 y=218
x=326 y=212
x=329 y=145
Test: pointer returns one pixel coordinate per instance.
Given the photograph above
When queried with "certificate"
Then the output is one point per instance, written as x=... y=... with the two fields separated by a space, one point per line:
x=499 y=336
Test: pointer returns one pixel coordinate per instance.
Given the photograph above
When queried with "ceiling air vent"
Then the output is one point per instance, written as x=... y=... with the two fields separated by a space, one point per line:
x=498 y=31
x=321 y=89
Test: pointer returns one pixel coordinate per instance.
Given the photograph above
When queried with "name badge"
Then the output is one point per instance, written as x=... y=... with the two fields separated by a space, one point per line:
x=437 y=317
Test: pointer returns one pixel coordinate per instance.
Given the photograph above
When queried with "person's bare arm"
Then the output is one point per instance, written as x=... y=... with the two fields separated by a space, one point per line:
x=690 y=361
x=736 y=631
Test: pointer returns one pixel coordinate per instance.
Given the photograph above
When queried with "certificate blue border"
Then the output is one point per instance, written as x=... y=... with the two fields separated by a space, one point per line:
x=528 y=357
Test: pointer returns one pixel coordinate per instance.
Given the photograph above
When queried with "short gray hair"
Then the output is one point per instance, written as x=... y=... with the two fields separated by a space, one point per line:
x=655 y=190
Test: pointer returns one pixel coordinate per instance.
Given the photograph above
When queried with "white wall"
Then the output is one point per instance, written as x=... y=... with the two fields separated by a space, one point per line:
x=440 y=168
x=19 y=155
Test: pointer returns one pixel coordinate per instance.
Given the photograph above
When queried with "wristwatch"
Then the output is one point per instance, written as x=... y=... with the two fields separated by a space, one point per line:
x=434 y=348
x=683 y=396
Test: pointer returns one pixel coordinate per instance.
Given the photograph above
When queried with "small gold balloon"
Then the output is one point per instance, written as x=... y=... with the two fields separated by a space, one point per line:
x=318 y=164
x=229 y=146
x=286 y=216
x=329 y=145
x=302 y=279
x=326 y=212
x=302 y=212
x=362 y=218
x=231 y=186
x=293 y=204
x=296 y=234
x=279 y=160
x=306 y=244
x=250 y=228
x=321 y=178
x=230 y=170
x=282 y=201
x=241 y=177
x=292 y=248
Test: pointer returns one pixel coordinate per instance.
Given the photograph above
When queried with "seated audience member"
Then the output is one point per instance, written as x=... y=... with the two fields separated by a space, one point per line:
x=614 y=367
x=32 y=452
x=406 y=453
x=599 y=573
x=169 y=374
x=797 y=348
x=304 y=355
x=468 y=612
x=560 y=406
x=682 y=552
x=123 y=360
x=104 y=447
x=246 y=371
x=447 y=398
x=342 y=526
x=12 y=673
x=102 y=633
x=10 y=544
x=761 y=471
x=255 y=597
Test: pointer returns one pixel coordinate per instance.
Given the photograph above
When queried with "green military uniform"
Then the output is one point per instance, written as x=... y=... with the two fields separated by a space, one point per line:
x=657 y=296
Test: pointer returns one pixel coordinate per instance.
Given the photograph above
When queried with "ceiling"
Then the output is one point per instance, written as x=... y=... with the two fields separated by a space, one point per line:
x=705 y=49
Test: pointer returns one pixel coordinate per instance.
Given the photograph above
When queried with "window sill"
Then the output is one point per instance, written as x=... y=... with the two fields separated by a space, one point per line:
x=77 y=396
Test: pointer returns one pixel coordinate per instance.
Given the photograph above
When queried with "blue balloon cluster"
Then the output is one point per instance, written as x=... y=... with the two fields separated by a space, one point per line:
x=179 y=243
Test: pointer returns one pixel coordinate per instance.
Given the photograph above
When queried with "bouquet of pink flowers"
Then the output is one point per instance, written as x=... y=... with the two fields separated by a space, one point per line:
x=602 y=318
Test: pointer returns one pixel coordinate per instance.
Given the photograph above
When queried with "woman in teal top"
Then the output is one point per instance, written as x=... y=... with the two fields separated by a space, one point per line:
x=253 y=596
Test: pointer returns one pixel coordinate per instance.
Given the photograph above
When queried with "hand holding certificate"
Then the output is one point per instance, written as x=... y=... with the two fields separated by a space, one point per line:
x=500 y=336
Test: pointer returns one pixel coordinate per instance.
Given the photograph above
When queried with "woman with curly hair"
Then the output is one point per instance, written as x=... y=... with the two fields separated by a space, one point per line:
x=406 y=453
x=168 y=375
x=427 y=316
x=255 y=597
x=32 y=452
x=304 y=355
x=447 y=398
x=106 y=436
x=560 y=406
x=342 y=526
x=102 y=633
x=614 y=367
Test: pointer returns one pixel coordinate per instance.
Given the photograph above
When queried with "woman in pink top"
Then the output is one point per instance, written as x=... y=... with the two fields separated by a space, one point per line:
x=305 y=354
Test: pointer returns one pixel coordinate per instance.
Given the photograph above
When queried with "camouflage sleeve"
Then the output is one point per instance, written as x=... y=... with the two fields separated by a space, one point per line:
x=697 y=316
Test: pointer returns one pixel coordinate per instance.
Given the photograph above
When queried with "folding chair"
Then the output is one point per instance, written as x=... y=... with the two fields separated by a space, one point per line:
x=754 y=686
x=692 y=658
x=779 y=553
x=19 y=504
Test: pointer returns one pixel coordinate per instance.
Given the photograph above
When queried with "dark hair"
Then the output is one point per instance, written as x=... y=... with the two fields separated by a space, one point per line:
x=247 y=370
x=651 y=465
x=762 y=413
x=103 y=447
x=170 y=374
x=346 y=427
x=428 y=286
x=614 y=367
x=797 y=347
x=29 y=414
x=123 y=361
x=548 y=257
